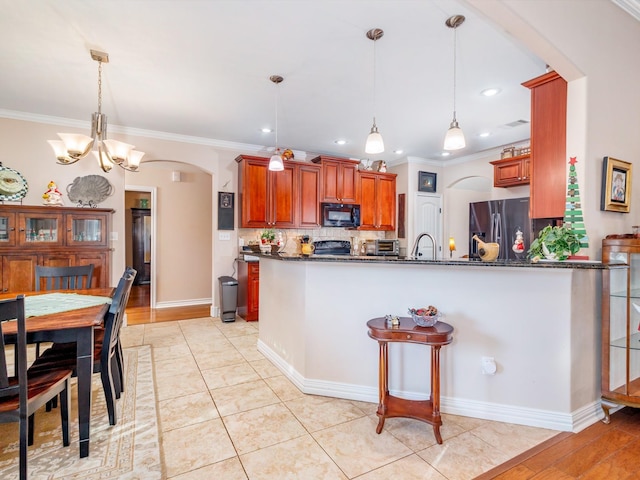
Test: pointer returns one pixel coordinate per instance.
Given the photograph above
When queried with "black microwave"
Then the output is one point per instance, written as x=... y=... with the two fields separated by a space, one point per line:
x=340 y=215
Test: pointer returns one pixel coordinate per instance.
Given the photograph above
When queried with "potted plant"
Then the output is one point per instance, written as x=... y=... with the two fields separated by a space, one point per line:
x=268 y=236
x=554 y=243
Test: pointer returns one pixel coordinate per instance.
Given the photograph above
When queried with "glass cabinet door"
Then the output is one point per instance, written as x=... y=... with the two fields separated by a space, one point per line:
x=7 y=229
x=86 y=229
x=624 y=326
x=39 y=228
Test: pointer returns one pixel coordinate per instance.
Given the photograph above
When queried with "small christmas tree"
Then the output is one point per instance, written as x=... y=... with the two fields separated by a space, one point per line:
x=573 y=211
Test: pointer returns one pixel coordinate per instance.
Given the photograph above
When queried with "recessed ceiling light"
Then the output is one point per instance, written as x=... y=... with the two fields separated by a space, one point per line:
x=484 y=134
x=266 y=130
x=398 y=152
x=490 y=92
x=445 y=154
x=340 y=142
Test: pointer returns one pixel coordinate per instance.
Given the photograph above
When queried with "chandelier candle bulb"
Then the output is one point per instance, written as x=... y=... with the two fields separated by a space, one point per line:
x=452 y=246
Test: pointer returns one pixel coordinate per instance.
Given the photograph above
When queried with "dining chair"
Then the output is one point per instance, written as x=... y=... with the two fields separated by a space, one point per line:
x=21 y=395
x=107 y=351
x=77 y=277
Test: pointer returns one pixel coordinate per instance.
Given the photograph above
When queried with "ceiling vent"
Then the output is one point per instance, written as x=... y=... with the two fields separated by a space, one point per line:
x=517 y=123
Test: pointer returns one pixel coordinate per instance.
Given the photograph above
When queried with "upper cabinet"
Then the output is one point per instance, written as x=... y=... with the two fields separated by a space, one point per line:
x=511 y=172
x=377 y=201
x=339 y=179
x=266 y=197
x=286 y=199
x=548 y=145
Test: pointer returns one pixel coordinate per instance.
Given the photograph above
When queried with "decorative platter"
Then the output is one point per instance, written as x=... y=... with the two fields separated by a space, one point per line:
x=13 y=186
x=89 y=191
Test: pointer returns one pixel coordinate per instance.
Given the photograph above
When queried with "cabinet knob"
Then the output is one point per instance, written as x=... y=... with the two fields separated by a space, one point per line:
x=22 y=229
x=12 y=229
x=68 y=230
x=408 y=336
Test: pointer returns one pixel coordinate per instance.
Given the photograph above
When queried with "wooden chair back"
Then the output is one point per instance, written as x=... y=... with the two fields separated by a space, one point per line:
x=10 y=386
x=115 y=315
x=64 y=278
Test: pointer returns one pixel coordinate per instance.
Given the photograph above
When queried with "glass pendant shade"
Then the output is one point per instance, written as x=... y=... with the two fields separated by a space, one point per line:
x=76 y=144
x=454 y=139
x=103 y=159
x=118 y=151
x=134 y=159
x=276 y=163
x=374 y=142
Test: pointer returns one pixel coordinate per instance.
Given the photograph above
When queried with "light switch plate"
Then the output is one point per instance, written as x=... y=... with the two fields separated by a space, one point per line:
x=224 y=235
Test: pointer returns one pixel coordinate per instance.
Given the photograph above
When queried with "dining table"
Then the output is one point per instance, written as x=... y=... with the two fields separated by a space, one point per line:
x=67 y=316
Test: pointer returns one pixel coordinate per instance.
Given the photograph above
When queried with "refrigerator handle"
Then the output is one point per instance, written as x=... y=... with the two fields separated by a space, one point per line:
x=497 y=228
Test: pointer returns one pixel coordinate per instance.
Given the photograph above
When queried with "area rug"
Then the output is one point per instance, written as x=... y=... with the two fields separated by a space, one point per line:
x=127 y=451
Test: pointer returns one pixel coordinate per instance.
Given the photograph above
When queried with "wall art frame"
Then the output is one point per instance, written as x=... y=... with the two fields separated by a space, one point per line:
x=427 y=181
x=616 y=185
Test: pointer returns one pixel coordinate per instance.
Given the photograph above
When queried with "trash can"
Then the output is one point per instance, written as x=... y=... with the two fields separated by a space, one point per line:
x=228 y=298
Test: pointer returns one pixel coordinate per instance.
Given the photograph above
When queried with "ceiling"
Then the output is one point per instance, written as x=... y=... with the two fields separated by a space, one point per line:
x=201 y=69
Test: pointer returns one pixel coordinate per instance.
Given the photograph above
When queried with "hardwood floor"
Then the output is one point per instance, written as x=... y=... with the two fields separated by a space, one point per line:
x=598 y=452
x=139 y=311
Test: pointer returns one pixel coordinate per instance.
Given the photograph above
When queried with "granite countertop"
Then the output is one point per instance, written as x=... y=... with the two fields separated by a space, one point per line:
x=575 y=264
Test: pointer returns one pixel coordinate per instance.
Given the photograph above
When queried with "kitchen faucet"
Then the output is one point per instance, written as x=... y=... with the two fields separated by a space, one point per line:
x=414 y=250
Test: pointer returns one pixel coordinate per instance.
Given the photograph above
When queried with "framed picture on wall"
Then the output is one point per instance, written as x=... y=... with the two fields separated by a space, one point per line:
x=427 y=182
x=616 y=185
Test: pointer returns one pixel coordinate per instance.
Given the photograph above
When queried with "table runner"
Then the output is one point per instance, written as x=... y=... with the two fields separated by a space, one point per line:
x=48 y=303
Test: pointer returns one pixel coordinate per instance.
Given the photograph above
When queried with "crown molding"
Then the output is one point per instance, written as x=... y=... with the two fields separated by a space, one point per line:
x=632 y=7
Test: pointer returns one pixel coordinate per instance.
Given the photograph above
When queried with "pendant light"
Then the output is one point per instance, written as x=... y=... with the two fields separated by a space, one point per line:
x=374 y=140
x=275 y=162
x=454 y=139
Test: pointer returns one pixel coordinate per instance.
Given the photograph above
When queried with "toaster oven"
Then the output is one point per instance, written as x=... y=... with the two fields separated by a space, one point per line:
x=382 y=247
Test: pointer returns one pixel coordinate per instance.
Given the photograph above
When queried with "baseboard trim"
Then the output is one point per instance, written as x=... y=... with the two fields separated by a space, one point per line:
x=184 y=303
x=573 y=422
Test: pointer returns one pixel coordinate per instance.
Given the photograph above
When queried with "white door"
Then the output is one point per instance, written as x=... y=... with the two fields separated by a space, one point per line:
x=428 y=218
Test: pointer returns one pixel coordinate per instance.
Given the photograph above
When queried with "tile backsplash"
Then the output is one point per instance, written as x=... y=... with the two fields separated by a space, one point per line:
x=292 y=236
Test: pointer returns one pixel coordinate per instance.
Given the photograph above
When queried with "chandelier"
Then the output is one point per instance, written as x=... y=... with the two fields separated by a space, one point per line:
x=75 y=146
x=454 y=138
x=374 y=143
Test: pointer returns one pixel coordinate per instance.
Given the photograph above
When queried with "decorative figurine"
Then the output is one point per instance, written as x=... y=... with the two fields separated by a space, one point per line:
x=382 y=166
x=518 y=244
x=53 y=196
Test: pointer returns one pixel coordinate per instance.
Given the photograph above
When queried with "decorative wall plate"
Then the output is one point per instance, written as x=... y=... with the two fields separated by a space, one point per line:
x=13 y=186
x=89 y=191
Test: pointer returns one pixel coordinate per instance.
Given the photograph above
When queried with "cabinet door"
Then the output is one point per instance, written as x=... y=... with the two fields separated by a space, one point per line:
x=368 y=220
x=57 y=260
x=339 y=181
x=254 y=202
x=87 y=229
x=282 y=188
x=100 y=261
x=308 y=200
x=7 y=229
x=511 y=172
x=253 y=291
x=40 y=229
x=19 y=273
x=386 y=203
x=548 y=146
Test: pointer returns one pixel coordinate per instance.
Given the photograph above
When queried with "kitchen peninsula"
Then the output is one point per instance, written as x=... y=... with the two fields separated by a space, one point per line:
x=540 y=322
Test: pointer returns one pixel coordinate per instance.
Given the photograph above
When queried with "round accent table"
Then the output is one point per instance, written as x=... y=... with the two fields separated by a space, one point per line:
x=424 y=410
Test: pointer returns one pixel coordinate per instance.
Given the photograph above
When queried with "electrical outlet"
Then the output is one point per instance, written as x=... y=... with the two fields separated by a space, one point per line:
x=224 y=235
x=489 y=366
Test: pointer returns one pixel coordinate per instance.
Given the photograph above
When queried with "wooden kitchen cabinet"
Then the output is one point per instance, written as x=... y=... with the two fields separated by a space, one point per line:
x=339 y=179
x=511 y=172
x=267 y=199
x=620 y=321
x=548 y=146
x=309 y=187
x=377 y=201
x=52 y=236
x=248 y=290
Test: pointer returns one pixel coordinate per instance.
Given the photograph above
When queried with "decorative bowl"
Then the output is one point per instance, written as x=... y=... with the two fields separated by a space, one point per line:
x=426 y=320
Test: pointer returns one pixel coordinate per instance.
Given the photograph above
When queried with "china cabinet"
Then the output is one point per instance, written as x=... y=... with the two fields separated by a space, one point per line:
x=141 y=244
x=548 y=145
x=511 y=172
x=621 y=322
x=52 y=236
x=339 y=179
x=377 y=201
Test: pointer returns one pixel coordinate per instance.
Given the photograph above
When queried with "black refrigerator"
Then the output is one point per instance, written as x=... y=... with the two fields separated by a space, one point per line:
x=498 y=221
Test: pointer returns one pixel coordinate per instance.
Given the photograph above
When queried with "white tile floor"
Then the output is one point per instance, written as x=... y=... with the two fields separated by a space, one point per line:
x=226 y=412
